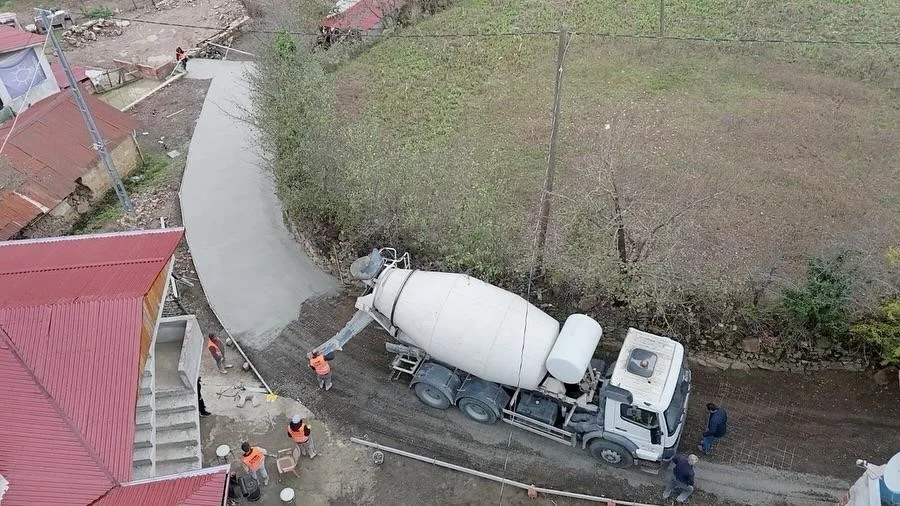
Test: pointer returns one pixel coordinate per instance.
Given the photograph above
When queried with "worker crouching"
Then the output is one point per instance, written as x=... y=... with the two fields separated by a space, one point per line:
x=319 y=363
x=299 y=433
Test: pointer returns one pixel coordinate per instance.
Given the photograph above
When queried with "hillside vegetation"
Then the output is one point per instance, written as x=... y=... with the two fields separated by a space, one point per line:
x=694 y=179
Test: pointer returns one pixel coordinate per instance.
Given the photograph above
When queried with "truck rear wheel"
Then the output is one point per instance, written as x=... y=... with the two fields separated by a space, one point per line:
x=476 y=410
x=431 y=396
x=611 y=454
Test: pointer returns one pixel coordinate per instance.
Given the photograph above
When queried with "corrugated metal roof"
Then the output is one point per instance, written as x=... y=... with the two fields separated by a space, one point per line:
x=13 y=38
x=200 y=489
x=44 y=460
x=70 y=319
x=363 y=15
x=59 y=270
x=49 y=150
x=60 y=75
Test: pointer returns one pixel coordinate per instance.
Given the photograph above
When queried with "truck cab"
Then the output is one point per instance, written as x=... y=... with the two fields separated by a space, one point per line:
x=645 y=399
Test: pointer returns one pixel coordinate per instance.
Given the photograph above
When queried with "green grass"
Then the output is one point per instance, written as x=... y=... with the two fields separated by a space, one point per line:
x=446 y=150
x=107 y=209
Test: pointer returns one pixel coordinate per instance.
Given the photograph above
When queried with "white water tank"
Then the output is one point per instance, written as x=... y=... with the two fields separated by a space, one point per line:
x=571 y=355
x=462 y=321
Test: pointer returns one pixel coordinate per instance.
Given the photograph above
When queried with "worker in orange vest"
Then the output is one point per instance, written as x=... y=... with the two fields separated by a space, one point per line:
x=319 y=363
x=217 y=350
x=254 y=462
x=298 y=431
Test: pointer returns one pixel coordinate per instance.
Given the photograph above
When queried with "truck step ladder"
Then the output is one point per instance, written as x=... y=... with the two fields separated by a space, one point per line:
x=405 y=364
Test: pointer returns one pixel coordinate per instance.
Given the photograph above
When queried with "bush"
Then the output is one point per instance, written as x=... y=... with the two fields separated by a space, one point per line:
x=820 y=308
x=99 y=12
x=883 y=332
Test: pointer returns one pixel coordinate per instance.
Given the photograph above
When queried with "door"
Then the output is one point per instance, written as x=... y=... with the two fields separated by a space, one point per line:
x=640 y=426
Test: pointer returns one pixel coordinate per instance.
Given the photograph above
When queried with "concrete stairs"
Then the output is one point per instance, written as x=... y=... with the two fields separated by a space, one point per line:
x=167 y=429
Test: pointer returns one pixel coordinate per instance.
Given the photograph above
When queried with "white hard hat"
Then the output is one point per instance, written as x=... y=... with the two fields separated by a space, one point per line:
x=295 y=419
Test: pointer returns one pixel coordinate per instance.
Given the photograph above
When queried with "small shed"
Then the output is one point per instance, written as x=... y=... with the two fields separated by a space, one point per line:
x=25 y=73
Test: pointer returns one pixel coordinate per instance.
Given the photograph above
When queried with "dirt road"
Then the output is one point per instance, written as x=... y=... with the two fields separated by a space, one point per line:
x=793 y=437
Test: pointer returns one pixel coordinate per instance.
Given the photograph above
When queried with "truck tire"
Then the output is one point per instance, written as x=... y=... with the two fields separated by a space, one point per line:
x=431 y=396
x=611 y=454
x=476 y=410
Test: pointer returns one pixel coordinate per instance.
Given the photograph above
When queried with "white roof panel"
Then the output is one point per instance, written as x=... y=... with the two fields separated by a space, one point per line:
x=654 y=391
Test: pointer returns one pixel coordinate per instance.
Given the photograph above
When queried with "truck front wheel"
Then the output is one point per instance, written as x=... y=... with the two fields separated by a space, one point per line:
x=476 y=410
x=431 y=396
x=611 y=454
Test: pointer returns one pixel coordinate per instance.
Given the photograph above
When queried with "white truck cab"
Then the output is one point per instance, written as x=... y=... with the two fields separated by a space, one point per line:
x=651 y=369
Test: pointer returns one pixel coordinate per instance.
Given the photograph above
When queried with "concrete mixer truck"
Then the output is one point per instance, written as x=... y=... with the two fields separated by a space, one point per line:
x=496 y=357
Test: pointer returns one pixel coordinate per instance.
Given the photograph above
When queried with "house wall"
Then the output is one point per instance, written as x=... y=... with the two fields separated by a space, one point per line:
x=186 y=330
x=126 y=158
x=38 y=91
x=152 y=307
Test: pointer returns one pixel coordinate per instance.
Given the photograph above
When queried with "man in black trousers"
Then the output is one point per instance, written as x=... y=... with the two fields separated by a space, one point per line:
x=202 y=405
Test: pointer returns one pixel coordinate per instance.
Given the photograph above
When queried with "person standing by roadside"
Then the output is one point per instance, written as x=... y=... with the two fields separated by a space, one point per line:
x=319 y=363
x=254 y=462
x=217 y=350
x=299 y=433
x=716 y=426
x=200 y=404
x=682 y=479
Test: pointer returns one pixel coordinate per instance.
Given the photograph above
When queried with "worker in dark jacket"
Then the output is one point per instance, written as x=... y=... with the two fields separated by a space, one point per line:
x=682 y=479
x=716 y=426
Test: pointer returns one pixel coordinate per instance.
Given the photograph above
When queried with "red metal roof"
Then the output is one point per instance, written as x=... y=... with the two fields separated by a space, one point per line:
x=363 y=15
x=78 y=268
x=60 y=75
x=70 y=325
x=13 y=38
x=44 y=173
x=203 y=488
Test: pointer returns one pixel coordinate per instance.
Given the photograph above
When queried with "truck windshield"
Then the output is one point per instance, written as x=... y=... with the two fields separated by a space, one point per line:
x=676 y=406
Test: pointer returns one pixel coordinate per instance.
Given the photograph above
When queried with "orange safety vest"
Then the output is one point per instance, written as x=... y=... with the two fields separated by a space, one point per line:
x=254 y=460
x=299 y=435
x=321 y=365
x=213 y=348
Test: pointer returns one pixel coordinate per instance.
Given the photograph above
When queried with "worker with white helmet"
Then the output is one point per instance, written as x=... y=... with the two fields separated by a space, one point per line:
x=299 y=433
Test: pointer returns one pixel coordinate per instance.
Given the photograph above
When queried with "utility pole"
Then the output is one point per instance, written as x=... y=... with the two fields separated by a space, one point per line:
x=544 y=216
x=96 y=137
x=662 y=16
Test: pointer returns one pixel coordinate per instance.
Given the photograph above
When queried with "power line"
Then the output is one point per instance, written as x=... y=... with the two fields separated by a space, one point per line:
x=555 y=33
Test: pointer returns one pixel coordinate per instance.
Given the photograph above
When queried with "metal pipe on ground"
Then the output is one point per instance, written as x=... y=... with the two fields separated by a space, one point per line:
x=498 y=479
x=154 y=90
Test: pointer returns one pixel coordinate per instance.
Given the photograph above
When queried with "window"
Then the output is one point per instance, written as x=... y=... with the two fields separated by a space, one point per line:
x=676 y=405
x=642 y=417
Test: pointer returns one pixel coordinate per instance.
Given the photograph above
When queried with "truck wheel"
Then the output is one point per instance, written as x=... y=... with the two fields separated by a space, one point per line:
x=611 y=454
x=476 y=410
x=431 y=396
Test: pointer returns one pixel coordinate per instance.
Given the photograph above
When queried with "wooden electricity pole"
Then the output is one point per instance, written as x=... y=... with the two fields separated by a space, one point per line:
x=544 y=216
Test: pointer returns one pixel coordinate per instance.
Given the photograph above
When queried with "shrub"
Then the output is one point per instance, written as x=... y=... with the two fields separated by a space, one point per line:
x=99 y=12
x=883 y=332
x=820 y=307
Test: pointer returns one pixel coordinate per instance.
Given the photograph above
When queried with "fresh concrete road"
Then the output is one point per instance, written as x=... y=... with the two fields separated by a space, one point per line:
x=254 y=273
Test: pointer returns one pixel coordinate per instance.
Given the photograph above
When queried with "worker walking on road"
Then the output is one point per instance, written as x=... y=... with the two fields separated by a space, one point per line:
x=299 y=433
x=716 y=426
x=217 y=350
x=254 y=462
x=682 y=479
x=319 y=363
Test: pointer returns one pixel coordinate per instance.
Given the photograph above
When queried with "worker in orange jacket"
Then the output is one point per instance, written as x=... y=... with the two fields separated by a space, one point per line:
x=299 y=433
x=254 y=462
x=319 y=363
x=217 y=350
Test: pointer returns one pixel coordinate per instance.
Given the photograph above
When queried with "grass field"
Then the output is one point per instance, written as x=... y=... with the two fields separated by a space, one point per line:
x=730 y=162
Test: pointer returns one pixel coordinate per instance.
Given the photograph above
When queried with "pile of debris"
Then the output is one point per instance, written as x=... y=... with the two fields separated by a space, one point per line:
x=80 y=35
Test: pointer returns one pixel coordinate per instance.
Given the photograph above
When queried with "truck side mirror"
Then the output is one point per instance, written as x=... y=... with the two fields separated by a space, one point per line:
x=655 y=435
